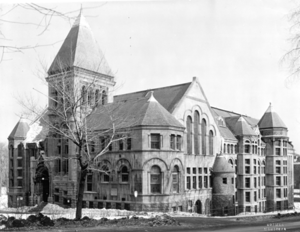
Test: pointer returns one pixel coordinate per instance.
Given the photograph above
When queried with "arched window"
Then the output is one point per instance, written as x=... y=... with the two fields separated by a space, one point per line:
x=211 y=143
x=203 y=136
x=105 y=174
x=247 y=146
x=259 y=167
x=90 y=97
x=104 y=97
x=55 y=98
x=196 y=133
x=224 y=148
x=231 y=148
x=189 y=137
x=89 y=181
x=83 y=95
x=155 y=179
x=230 y=162
x=124 y=174
x=97 y=97
x=175 y=179
x=228 y=148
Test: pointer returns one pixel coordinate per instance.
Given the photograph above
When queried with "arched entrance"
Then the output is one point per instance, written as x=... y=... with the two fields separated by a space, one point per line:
x=42 y=182
x=207 y=206
x=198 y=206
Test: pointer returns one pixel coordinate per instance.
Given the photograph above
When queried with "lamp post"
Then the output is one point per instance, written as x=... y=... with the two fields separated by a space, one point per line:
x=135 y=196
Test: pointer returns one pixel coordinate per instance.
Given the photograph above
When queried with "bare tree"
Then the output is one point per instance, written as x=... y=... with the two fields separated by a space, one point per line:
x=78 y=112
x=44 y=15
x=292 y=57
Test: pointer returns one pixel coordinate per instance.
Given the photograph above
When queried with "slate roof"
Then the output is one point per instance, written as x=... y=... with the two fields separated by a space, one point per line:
x=271 y=119
x=226 y=133
x=20 y=130
x=239 y=126
x=80 y=49
x=145 y=111
x=221 y=165
x=226 y=114
x=168 y=96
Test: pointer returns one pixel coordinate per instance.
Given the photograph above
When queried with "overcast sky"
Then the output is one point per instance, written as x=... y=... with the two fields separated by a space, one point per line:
x=234 y=47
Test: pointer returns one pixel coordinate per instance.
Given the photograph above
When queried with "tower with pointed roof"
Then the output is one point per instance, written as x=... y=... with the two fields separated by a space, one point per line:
x=279 y=181
x=81 y=66
x=249 y=177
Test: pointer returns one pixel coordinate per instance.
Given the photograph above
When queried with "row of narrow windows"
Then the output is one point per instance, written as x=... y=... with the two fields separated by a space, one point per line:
x=194 y=136
x=92 y=97
x=155 y=184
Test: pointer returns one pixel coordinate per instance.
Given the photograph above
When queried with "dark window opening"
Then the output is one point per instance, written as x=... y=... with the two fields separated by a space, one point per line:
x=155 y=141
x=155 y=179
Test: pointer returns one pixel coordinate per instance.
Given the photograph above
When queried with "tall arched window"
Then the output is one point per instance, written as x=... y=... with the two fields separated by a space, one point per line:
x=203 y=136
x=196 y=133
x=104 y=97
x=189 y=137
x=90 y=93
x=124 y=174
x=155 y=179
x=175 y=179
x=228 y=148
x=97 y=97
x=55 y=98
x=231 y=148
x=83 y=95
x=105 y=174
x=211 y=143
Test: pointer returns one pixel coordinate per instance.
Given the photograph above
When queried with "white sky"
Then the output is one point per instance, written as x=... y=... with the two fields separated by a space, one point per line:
x=234 y=47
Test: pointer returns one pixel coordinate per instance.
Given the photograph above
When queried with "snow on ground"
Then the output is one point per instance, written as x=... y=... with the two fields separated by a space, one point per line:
x=3 y=198
x=55 y=211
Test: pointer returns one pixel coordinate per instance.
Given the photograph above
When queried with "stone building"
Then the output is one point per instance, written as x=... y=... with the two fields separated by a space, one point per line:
x=180 y=154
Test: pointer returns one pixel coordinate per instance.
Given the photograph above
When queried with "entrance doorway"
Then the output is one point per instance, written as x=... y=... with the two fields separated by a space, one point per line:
x=198 y=207
x=42 y=182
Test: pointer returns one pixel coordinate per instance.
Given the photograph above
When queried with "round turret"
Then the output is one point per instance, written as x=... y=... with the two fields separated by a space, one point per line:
x=223 y=187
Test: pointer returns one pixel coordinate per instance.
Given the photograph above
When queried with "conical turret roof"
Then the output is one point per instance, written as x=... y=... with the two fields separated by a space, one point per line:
x=222 y=165
x=271 y=119
x=20 y=130
x=80 y=49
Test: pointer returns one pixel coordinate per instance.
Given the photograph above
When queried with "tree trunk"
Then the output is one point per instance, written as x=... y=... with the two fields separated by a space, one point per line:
x=83 y=174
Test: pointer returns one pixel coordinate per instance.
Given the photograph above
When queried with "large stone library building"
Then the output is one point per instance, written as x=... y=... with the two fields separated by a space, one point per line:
x=182 y=154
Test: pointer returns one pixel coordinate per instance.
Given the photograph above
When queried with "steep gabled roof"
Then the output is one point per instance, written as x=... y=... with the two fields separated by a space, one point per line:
x=146 y=111
x=20 y=130
x=168 y=96
x=239 y=126
x=271 y=119
x=80 y=49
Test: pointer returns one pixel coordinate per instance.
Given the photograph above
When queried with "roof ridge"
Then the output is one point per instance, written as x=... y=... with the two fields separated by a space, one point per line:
x=148 y=90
